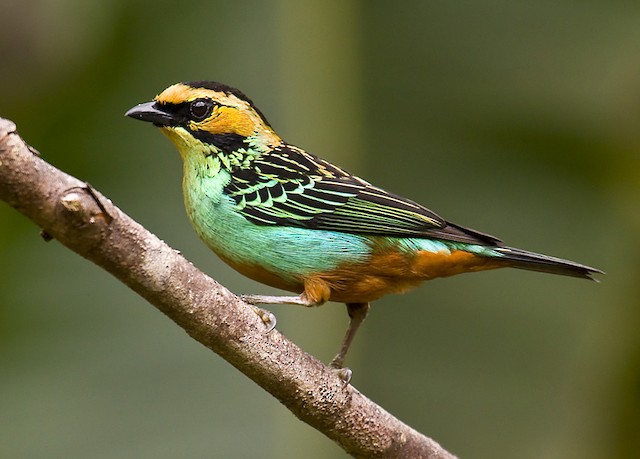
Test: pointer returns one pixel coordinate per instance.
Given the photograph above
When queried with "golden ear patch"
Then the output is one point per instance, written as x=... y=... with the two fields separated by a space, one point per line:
x=227 y=120
x=230 y=116
x=223 y=120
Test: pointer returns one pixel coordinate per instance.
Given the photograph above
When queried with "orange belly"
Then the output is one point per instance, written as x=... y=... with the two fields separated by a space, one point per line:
x=396 y=272
x=384 y=273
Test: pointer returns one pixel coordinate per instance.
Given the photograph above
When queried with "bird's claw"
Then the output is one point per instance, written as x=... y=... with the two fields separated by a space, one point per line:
x=337 y=365
x=267 y=317
x=344 y=373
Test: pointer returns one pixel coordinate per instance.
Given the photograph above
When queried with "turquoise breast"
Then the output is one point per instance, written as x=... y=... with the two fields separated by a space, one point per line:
x=285 y=251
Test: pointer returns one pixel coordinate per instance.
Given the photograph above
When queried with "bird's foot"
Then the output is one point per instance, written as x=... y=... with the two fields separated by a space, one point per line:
x=343 y=373
x=267 y=317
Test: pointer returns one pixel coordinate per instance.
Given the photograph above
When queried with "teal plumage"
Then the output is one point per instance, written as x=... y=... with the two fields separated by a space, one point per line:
x=285 y=250
x=282 y=250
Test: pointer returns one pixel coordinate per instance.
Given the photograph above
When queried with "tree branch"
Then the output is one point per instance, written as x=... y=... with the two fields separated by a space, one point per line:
x=85 y=221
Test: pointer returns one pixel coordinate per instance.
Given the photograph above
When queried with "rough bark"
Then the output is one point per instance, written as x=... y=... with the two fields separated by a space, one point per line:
x=85 y=221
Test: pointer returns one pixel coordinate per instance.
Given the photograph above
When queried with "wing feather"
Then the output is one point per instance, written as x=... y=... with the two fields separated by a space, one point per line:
x=290 y=187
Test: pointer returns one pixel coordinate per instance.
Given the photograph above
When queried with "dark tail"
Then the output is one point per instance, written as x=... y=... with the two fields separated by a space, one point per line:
x=521 y=259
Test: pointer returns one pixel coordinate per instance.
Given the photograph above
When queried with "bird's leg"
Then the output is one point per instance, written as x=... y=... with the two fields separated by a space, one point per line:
x=300 y=300
x=357 y=313
x=267 y=316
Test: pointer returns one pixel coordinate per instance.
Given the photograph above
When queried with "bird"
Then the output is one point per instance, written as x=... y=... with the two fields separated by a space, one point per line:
x=286 y=218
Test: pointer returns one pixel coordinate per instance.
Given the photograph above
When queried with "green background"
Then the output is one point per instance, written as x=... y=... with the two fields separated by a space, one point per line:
x=519 y=118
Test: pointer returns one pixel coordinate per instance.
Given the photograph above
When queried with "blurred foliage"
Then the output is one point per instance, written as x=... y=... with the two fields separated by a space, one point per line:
x=516 y=118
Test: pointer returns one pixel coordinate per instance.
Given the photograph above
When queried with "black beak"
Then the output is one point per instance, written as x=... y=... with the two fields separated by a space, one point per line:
x=151 y=112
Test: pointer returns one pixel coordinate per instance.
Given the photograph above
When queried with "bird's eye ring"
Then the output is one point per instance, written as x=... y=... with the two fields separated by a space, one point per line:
x=200 y=109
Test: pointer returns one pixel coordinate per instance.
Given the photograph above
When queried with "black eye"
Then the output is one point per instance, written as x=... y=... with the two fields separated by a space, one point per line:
x=200 y=109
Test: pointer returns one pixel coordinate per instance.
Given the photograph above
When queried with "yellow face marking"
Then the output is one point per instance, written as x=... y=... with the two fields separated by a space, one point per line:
x=226 y=120
x=184 y=142
x=179 y=93
x=231 y=116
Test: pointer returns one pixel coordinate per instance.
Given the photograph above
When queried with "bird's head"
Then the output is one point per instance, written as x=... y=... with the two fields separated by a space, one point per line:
x=209 y=118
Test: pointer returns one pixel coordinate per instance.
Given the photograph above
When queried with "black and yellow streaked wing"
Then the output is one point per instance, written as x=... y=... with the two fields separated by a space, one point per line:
x=290 y=187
